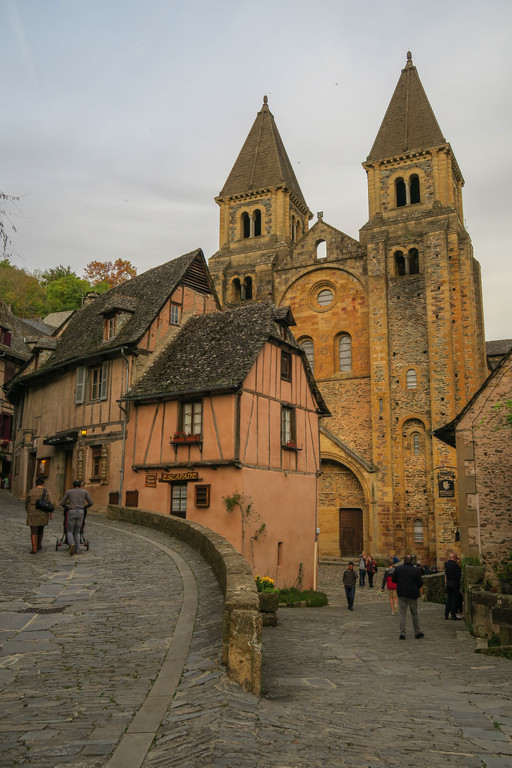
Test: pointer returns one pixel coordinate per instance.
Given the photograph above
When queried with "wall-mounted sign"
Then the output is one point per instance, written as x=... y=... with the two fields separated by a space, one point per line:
x=80 y=464
x=151 y=478
x=178 y=477
x=446 y=487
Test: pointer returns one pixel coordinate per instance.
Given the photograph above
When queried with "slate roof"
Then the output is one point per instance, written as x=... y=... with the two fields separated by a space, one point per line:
x=498 y=346
x=145 y=295
x=409 y=123
x=215 y=352
x=56 y=319
x=263 y=161
x=20 y=330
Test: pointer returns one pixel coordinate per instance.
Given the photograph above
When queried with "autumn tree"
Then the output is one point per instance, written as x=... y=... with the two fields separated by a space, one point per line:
x=111 y=273
x=21 y=291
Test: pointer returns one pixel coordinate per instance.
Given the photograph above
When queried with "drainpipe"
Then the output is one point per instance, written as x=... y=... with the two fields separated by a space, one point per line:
x=125 y=413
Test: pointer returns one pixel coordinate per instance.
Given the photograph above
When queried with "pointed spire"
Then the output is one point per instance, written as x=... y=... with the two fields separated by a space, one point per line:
x=263 y=161
x=409 y=123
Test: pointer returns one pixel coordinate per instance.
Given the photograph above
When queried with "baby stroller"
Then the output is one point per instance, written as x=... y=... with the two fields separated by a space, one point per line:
x=63 y=541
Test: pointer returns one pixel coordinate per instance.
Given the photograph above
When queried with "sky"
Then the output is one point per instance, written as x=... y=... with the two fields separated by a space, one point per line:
x=121 y=119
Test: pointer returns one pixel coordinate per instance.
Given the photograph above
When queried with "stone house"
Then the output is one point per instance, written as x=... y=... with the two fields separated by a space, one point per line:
x=483 y=441
x=224 y=431
x=69 y=421
x=391 y=323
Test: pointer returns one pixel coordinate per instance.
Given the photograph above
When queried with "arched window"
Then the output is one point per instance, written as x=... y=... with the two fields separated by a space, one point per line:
x=418 y=531
x=411 y=379
x=399 y=263
x=321 y=249
x=401 y=198
x=309 y=348
x=345 y=352
x=246 y=225
x=236 y=290
x=294 y=229
x=414 y=186
x=414 y=261
x=248 y=288
x=416 y=443
x=257 y=223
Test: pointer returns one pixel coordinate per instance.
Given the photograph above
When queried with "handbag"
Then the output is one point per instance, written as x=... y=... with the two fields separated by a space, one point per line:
x=43 y=504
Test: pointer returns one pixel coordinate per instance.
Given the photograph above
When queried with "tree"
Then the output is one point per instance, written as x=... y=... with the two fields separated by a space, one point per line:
x=66 y=293
x=21 y=291
x=56 y=273
x=107 y=272
x=5 y=221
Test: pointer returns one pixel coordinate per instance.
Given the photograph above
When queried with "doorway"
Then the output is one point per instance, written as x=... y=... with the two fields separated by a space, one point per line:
x=351 y=531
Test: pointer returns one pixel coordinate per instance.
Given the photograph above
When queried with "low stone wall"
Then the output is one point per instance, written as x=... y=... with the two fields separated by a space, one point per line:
x=242 y=628
x=433 y=588
x=489 y=613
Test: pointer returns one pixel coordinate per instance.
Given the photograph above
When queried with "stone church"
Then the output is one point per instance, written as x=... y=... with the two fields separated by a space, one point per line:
x=392 y=323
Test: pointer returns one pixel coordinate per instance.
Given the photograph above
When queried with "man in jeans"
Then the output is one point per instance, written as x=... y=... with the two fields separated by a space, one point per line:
x=408 y=583
x=77 y=501
x=349 y=582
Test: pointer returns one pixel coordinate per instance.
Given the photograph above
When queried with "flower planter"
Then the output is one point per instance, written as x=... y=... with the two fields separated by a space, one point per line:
x=269 y=603
x=185 y=439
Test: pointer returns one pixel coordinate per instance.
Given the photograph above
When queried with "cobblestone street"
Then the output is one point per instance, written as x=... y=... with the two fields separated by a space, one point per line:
x=140 y=612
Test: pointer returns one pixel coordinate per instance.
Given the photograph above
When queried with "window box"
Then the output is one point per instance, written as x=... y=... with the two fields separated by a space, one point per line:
x=291 y=447
x=180 y=437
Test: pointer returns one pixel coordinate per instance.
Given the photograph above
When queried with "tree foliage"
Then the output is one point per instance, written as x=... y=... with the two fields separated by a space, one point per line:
x=111 y=273
x=66 y=293
x=56 y=273
x=22 y=291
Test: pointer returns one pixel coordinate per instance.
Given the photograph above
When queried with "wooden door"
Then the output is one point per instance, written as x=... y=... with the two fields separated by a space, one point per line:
x=351 y=531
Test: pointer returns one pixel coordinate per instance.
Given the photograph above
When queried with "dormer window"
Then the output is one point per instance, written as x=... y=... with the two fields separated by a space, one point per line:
x=110 y=327
x=5 y=337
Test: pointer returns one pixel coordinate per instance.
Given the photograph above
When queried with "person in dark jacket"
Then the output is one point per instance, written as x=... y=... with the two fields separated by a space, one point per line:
x=349 y=581
x=408 y=583
x=452 y=574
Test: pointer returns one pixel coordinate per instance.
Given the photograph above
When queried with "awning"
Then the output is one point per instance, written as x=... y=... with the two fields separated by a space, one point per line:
x=62 y=438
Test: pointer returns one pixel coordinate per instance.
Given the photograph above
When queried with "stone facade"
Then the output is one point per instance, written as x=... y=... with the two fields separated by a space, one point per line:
x=392 y=324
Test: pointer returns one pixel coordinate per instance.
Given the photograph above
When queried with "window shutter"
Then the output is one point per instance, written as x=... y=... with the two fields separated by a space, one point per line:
x=104 y=381
x=80 y=385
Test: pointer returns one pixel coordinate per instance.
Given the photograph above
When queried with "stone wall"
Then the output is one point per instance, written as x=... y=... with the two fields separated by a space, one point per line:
x=242 y=628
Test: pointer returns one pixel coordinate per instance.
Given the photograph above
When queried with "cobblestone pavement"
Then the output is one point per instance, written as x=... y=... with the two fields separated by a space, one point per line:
x=339 y=688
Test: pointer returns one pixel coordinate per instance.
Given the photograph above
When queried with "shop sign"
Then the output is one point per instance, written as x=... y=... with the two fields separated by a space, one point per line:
x=151 y=478
x=178 y=477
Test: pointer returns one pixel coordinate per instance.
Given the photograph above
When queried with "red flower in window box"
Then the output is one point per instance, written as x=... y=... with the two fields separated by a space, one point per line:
x=182 y=437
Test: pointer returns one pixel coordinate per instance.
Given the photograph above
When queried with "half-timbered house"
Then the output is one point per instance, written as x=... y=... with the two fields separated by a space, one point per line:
x=224 y=432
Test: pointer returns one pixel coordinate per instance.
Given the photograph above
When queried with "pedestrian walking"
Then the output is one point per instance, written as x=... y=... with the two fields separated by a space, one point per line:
x=77 y=500
x=452 y=574
x=349 y=581
x=371 y=570
x=37 y=519
x=362 y=568
x=408 y=582
x=387 y=581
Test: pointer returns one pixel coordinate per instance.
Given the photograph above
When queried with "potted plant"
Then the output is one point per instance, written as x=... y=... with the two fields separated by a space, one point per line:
x=269 y=599
x=503 y=571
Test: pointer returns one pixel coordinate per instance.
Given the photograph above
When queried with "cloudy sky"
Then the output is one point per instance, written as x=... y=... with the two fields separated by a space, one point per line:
x=121 y=119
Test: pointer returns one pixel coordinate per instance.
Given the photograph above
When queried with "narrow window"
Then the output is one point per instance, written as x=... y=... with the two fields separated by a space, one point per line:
x=399 y=264
x=321 y=249
x=192 y=415
x=279 y=552
x=202 y=495
x=175 y=314
x=309 y=348
x=257 y=223
x=5 y=426
x=96 y=462
x=416 y=443
x=248 y=288
x=246 y=226
x=9 y=371
x=414 y=183
x=418 y=531
x=110 y=327
x=286 y=366
x=401 y=198
x=414 y=261
x=288 y=426
x=5 y=337
x=179 y=499
x=411 y=379
x=345 y=352
x=294 y=229
x=236 y=290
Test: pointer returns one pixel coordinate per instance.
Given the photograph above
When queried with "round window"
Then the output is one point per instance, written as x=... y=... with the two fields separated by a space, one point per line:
x=325 y=297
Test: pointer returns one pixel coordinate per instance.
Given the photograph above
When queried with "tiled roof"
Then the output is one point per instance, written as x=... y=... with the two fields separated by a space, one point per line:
x=498 y=346
x=215 y=352
x=409 y=123
x=56 y=319
x=20 y=331
x=144 y=295
x=263 y=161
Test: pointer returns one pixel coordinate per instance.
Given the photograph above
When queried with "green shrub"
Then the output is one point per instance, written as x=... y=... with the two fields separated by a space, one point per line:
x=312 y=599
x=471 y=560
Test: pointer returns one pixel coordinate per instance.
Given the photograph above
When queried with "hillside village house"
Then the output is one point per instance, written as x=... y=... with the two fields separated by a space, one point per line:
x=69 y=421
x=228 y=412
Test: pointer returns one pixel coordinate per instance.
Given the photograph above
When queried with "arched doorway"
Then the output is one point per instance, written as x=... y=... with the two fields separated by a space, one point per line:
x=341 y=507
